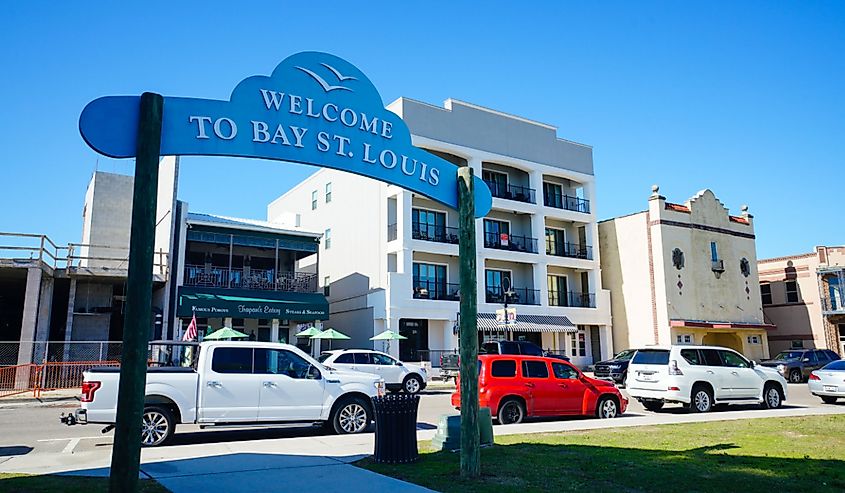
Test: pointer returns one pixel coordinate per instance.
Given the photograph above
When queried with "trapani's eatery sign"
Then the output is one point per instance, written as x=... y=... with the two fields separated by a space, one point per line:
x=314 y=109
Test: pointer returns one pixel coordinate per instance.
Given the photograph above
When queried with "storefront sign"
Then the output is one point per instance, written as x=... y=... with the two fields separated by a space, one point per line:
x=314 y=109
x=296 y=306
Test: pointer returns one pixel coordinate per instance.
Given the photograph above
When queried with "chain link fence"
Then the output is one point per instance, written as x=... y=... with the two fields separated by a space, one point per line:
x=40 y=352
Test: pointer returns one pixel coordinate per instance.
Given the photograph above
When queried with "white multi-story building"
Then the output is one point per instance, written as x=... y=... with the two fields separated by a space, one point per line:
x=389 y=257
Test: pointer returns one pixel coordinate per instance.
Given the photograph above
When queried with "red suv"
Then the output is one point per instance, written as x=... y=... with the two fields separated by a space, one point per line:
x=515 y=387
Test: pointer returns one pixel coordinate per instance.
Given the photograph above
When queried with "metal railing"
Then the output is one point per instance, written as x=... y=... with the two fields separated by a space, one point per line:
x=392 y=232
x=517 y=296
x=512 y=192
x=432 y=355
x=433 y=290
x=571 y=250
x=572 y=299
x=430 y=232
x=39 y=352
x=562 y=201
x=513 y=243
x=24 y=247
x=260 y=279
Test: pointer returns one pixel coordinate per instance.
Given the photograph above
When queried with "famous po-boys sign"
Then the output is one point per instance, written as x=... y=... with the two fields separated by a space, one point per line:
x=314 y=109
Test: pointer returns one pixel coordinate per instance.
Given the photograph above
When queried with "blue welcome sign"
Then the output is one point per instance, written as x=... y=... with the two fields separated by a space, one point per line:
x=314 y=109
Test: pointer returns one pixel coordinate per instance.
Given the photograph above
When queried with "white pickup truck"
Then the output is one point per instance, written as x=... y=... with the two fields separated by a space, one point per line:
x=237 y=383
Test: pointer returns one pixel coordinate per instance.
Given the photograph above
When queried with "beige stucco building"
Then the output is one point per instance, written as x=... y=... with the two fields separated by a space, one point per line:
x=803 y=294
x=684 y=274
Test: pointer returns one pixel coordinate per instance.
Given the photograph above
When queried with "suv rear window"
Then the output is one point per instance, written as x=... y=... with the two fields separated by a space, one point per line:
x=503 y=368
x=651 y=357
x=691 y=355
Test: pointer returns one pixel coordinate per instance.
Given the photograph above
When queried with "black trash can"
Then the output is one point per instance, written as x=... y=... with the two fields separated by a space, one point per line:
x=396 y=428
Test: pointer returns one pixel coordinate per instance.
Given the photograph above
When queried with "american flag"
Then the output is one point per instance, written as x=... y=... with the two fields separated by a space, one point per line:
x=191 y=333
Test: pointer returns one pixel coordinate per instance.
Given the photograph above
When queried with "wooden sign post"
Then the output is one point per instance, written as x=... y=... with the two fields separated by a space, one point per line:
x=126 y=451
x=470 y=438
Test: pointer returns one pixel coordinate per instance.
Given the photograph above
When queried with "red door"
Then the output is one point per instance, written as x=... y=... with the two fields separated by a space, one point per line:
x=541 y=388
x=569 y=389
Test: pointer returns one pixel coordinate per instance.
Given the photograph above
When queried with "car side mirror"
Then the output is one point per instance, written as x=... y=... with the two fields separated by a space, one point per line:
x=314 y=373
x=805 y=360
x=399 y=363
x=752 y=364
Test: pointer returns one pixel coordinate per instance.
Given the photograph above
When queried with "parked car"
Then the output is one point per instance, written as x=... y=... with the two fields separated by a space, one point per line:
x=237 y=383
x=701 y=377
x=828 y=382
x=396 y=374
x=515 y=387
x=616 y=368
x=450 y=363
x=796 y=364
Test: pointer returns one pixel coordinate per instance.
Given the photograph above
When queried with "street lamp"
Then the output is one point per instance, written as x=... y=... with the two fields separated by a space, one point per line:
x=507 y=292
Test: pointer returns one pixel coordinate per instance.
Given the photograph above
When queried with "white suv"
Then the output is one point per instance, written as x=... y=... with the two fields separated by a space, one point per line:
x=397 y=375
x=701 y=377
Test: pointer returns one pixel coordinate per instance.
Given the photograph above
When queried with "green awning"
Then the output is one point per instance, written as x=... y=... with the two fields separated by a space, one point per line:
x=251 y=304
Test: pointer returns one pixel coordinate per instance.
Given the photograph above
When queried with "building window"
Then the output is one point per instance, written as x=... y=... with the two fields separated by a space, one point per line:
x=429 y=281
x=498 y=182
x=557 y=290
x=753 y=339
x=496 y=233
x=553 y=195
x=328 y=192
x=328 y=238
x=428 y=225
x=714 y=251
x=791 y=292
x=798 y=344
x=313 y=200
x=327 y=282
x=766 y=293
x=684 y=339
x=556 y=242
x=578 y=343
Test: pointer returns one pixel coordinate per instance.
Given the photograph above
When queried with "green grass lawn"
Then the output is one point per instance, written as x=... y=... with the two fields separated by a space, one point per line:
x=26 y=483
x=766 y=455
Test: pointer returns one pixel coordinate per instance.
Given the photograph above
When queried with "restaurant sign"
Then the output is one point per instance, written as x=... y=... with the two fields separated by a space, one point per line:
x=315 y=108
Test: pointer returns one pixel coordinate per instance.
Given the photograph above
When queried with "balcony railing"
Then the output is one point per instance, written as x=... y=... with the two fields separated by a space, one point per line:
x=572 y=250
x=430 y=232
x=258 y=279
x=518 y=296
x=512 y=192
x=561 y=201
x=573 y=299
x=391 y=232
x=510 y=242
x=433 y=290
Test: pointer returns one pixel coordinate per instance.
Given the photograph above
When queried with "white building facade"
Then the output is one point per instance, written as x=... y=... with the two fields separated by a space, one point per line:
x=389 y=257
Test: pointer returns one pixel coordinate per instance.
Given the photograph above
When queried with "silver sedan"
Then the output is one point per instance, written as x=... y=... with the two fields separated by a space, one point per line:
x=829 y=382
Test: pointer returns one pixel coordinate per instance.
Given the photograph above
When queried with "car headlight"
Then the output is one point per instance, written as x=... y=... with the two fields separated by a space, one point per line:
x=379 y=388
x=781 y=368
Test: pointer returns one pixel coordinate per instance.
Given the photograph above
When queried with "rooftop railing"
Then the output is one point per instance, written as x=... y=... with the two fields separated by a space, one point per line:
x=211 y=276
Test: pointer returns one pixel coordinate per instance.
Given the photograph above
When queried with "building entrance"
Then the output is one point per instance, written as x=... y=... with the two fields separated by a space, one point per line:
x=724 y=339
x=416 y=331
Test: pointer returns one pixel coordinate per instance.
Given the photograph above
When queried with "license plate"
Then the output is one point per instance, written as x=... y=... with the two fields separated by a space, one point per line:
x=830 y=388
x=646 y=377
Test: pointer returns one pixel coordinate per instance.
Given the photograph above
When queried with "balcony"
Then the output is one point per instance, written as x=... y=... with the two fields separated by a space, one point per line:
x=572 y=299
x=433 y=290
x=246 y=278
x=561 y=201
x=571 y=250
x=512 y=192
x=518 y=296
x=513 y=243
x=429 y=232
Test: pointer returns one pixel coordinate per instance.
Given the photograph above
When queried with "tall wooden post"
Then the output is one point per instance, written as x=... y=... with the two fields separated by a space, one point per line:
x=470 y=440
x=126 y=451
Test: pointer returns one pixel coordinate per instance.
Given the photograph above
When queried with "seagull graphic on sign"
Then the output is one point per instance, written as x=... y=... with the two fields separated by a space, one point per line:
x=325 y=85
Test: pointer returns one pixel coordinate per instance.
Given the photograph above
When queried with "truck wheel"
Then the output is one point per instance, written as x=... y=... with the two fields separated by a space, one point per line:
x=157 y=425
x=412 y=384
x=353 y=415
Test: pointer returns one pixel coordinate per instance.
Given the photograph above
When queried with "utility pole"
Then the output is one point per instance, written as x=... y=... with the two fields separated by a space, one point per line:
x=126 y=451
x=470 y=437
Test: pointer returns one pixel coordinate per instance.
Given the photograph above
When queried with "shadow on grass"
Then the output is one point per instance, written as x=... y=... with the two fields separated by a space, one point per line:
x=544 y=467
x=14 y=483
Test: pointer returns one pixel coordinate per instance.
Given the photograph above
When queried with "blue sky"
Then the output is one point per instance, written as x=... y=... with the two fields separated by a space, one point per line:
x=744 y=98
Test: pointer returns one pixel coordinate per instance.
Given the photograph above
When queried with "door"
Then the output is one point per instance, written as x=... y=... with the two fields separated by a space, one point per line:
x=416 y=331
x=496 y=234
x=743 y=381
x=388 y=368
x=716 y=373
x=344 y=361
x=570 y=389
x=812 y=360
x=364 y=363
x=291 y=388
x=229 y=391
x=541 y=388
x=558 y=295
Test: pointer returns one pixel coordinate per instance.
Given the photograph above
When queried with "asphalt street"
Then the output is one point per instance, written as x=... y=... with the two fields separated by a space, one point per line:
x=36 y=429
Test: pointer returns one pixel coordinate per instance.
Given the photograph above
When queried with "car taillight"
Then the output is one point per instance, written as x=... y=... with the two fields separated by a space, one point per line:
x=673 y=368
x=813 y=376
x=88 y=389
